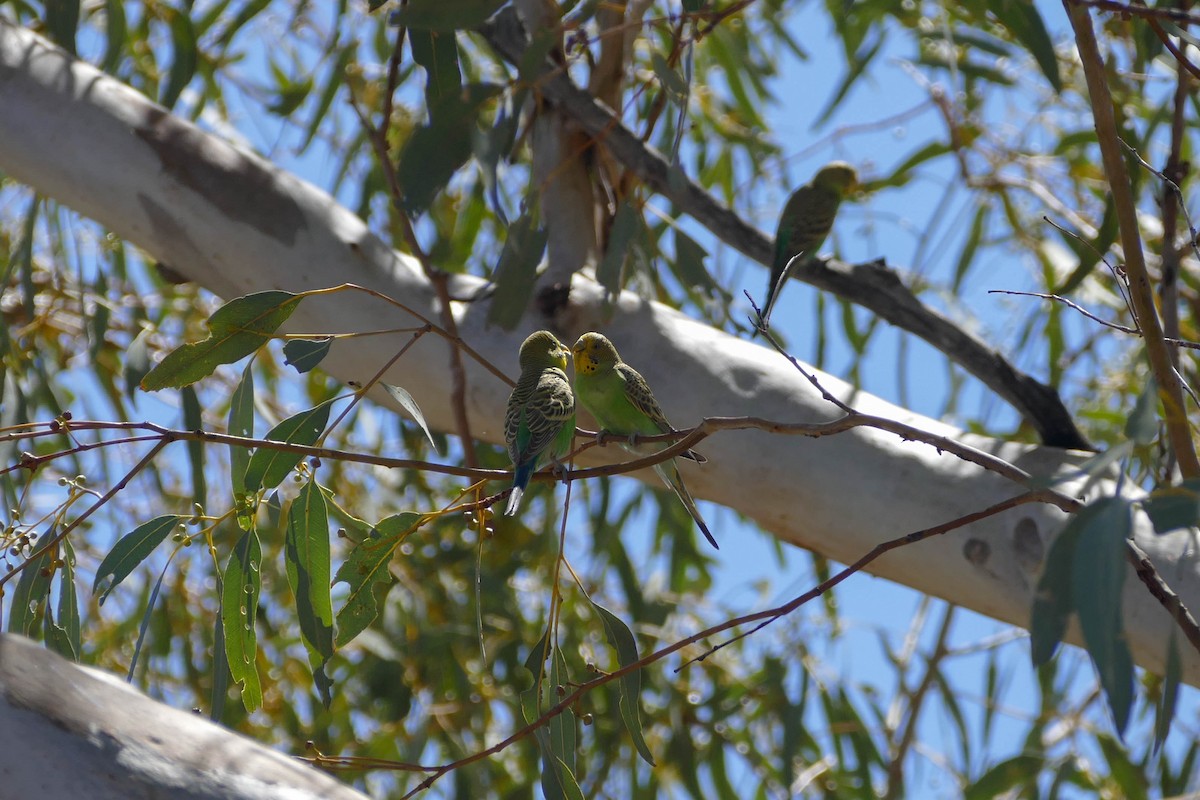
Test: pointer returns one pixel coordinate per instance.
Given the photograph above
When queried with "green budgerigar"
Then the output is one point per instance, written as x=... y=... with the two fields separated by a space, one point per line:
x=621 y=401
x=805 y=222
x=540 y=420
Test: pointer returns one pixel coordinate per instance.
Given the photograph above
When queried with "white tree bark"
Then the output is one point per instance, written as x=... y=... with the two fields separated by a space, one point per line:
x=76 y=732
x=235 y=224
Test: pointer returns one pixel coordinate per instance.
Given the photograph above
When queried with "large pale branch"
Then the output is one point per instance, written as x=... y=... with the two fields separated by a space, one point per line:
x=235 y=223
x=71 y=731
x=873 y=285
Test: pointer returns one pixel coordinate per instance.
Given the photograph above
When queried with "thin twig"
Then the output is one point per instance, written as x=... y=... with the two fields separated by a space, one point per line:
x=1170 y=389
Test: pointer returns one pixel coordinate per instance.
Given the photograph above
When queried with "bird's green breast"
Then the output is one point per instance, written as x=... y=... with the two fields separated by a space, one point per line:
x=604 y=396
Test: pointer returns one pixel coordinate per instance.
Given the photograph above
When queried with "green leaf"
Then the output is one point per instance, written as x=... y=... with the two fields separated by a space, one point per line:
x=1053 y=601
x=557 y=779
x=1022 y=19
x=689 y=264
x=335 y=81
x=184 y=56
x=241 y=584
x=1164 y=711
x=238 y=328
x=220 y=666
x=407 y=402
x=625 y=227
x=516 y=272
x=241 y=423
x=304 y=354
x=63 y=634
x=32 y=594
x=672 y=82
x=1090 y=253
x=268 y=467
x=970 y=246
x=366 y=570
x=434 y=152
x=131 y=550
x=1174 y=507
x=1128 y=776
x=306 y=554
x=630 y=686
x=1097 y=578
x=445 y=15
x=289 y=93
x=1017 y=772
x=193 y=421
x=137 y=363
x=437 y=53
x=62 y=21
x=144 y=627
x=115 y=31
x=1142 y=425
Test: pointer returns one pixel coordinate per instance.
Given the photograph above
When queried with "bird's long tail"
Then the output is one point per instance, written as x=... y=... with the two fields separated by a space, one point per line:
x=520 y=481
x=669 y=472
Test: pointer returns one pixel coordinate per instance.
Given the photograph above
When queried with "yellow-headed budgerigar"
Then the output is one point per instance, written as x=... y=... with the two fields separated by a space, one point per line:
x=540 y=420
x=621 y=401
x=805 y=222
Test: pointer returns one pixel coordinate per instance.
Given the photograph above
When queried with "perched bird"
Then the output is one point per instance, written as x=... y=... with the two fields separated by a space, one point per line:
x=621 y=401
x=805 y=222
x=540 y=420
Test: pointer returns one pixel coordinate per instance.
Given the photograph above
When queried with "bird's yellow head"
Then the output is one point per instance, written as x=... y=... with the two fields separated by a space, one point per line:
x=542 y=350
x=594 y=352
x=838 y=176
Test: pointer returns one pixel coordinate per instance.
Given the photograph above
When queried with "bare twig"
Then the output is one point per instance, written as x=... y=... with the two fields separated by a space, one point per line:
x=1170 y=387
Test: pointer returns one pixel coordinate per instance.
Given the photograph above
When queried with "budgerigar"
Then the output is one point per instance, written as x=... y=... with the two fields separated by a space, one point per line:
x=540 y=420
x=806 y=220
x=621 y=401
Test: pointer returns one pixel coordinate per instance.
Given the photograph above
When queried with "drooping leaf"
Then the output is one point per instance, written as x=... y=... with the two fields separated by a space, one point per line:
x=445 y=15
x=131 y=550
x=1164 y=712
x=516 y=272
x=672 y=82
x=1022 y=19
x=1097 y=580
x=241 y=584
x=1142 y=425
x=689 y=264
x=625 y=227
x=1014 y=773
x=193 y=421
x=304 y=354
x=630 y=686
x=306 y=554
x=241 y=423
x=62 y=21
x=406 y=401
x=268 y=467
x=366 y=570
x=434 y=152
x=335 y=81
x=237 y=329
x=438 y=54
x=184 y=56
x=63 y=632
x=144 y=627
x=1174 y=507
x=31 y=595
x=115 y=32
x=1053 y=602
x=137 y=363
